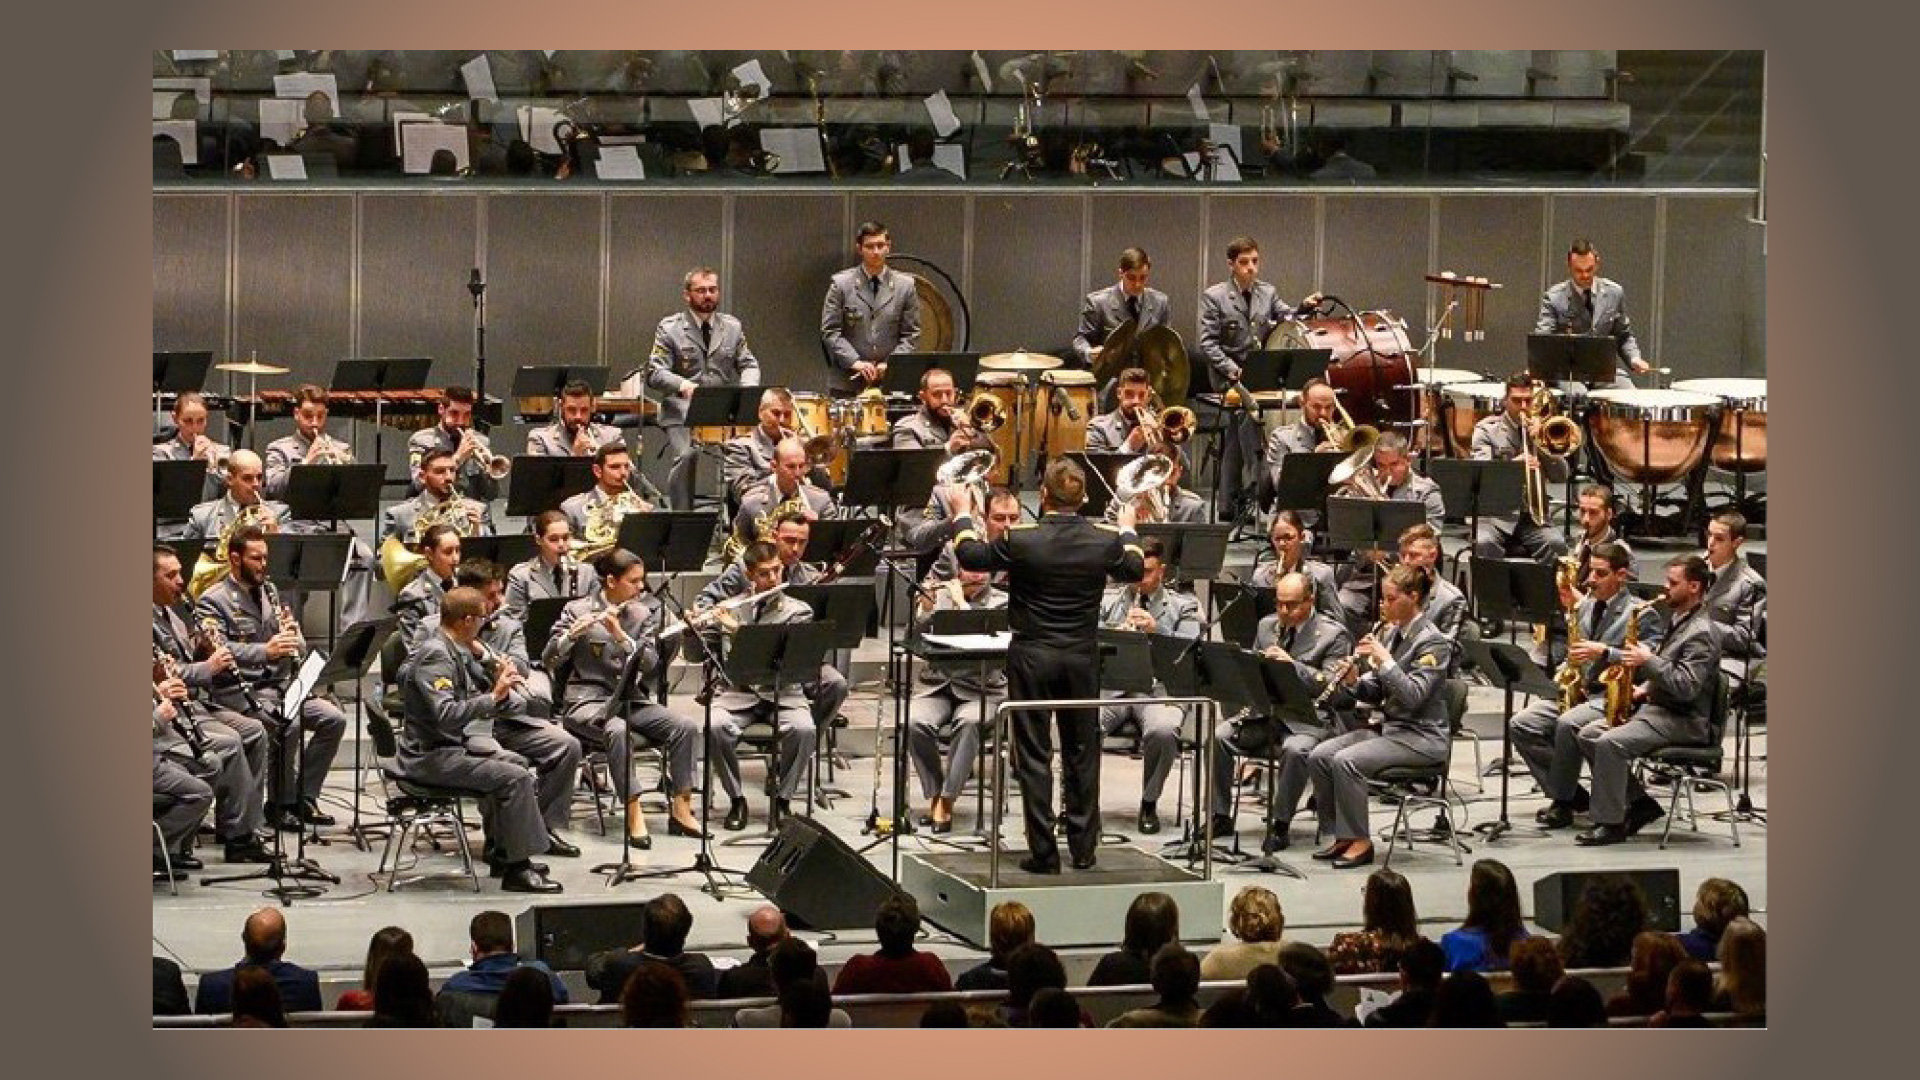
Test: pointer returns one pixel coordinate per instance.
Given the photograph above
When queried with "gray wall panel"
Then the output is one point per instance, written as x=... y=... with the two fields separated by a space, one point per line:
x=1281 y=224
x=190 y=273
x=787 y=247
x=1620 y=228
x=1167 y=226
x=1496 y=237
x=1376 y=255
x=543 y=282
x=929 y=225
x=654 y=241
x=1026 y=266
x=294 y=268
x=416 y=252
x=1712 y=262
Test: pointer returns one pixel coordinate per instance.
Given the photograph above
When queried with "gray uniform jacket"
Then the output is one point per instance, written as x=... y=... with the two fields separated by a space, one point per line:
x=1583 y=548
x=175 y=450
x=747 y=460
x=207 y=520
x=1613 y=630
x=552 y=441
x=1732 y=601
x=857 y=324
x=576 y=507
x=1423 y=490
x=771 y=611
x=281 y=456
x=733 y=582
x=591 y=664
x=531 y=580
x=962 y=679
x=679 y=358
x=248 y=625
x=1104 y=309
x=1315 y=645
x=1326 y=588
x=398 y=520
x=171 y=634
x=1174 y=612
x=1409 y=691
x=1563 y=311
x=1298 y=437
x=923 y=430
x=420 y=599
x=506 y=636
x=1231 y=327
x=1680 y=674
x=472 y=479
x=762 y=498
x=445 y=695
x=1108 y=432
x=1446 y=606
x=1497 y=438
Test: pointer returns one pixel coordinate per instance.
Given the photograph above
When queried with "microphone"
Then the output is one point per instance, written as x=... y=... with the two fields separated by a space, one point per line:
x=475 y=285
x=1063 y=400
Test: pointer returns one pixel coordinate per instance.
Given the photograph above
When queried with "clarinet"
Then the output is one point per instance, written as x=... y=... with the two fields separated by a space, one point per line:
x=1338 y=674
x=217 y=640
x=184 y=722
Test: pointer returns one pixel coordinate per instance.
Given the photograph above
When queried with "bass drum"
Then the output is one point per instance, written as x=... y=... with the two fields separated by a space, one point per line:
x=1370 y=363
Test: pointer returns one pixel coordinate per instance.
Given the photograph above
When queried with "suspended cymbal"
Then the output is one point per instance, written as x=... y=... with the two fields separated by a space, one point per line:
x=1160 y=351
x=251 y=367
x=1116 y=353
x=1019 y=360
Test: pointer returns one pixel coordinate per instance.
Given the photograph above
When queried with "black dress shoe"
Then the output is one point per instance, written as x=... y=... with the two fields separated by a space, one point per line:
x=1582 y=800
x=561 y=849
x=246 y=851
x=939 y=826
x=1600 y=836
x=1276 y=838
x=285 y=819
x=1223 y=827
x=1557 y=816
x=1348 y=862
x=528 y=880
x=1331 y=851
x=736 y=816
x=674 y=828
x=311 y=814
x=924 y=820
x=187 y=860
x=1641 y=814
x=1035 y=865
x=500 y=868
x=1149 y=819
x=1086 y=863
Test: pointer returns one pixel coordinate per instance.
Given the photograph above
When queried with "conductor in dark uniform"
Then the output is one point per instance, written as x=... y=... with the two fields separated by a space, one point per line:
x=1058 y=569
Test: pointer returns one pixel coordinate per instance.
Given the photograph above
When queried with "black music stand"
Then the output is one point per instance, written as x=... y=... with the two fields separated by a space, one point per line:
x=1509 y=668
x=848 y=606
x=724 y=406
x=1268 y=370
x=1304 y=481
x=542 y=614
x=177 y=487
x=1555 y=359
x=1370 y=525
x=1218 y=670
x=537 y=483
x=776 y=656
x=619 y=873
x=1105 y=469
x=904 y=371
x=1194 y=551
x=354 y=653
x=841 y=542
x=1472 y=489
x=380 y=375
x=311 y=562
x=668 y=542
x=547 y=380
x=179 y=372
x=890 y=478
x=1243 y=607
x=334 y=493
x=505 y=550
x=1516 y=590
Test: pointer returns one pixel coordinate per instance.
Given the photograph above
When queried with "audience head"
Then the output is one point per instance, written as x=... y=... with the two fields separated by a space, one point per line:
x=1229 y=1010
x=1536 y=966
x=897 y=923
x=1308 y=967
x=256 y=999
x=790 y=962
x=1576 y=1003
x=526 y=1000
x=1153 y=920
x=1270 y=996
x=1655 y=955
x=264 y=936
x=665 y=924
x=387 y=941
x=1053 y=1007
x=1600 y=932
x=1008 y=927
x=1465 y=1000
x=1032 y=967
x=402 y=994
x=1256 y=915
x=1422 y=965
x=1690 y=989
x=944 y=1014
x=1175 y=974
x=1386 y=907
x=807 y=1003
x=490 y=932
x=766 y=927
x=655 y=997
x=1717 y=903
x=1493 y=907
x=1743 y=966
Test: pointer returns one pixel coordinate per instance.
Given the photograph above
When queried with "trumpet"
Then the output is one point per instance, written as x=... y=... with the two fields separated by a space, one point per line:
x=328 y=450
x=473 y=442
x=215 y=454
x=1338 y=674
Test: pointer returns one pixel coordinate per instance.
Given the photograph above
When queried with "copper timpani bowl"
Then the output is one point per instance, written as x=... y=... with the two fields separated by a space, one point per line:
x=1740 y=442
x=1651 y=436
x=1468 y=403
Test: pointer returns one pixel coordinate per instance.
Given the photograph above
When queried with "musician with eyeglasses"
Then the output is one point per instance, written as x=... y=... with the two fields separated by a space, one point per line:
x=311 y=445
x=592 y=643
x=1507 y=436
x=1149 y=607
x=243 y=611
x=573 y=431
x=614 y=495
x=949 y=701
x=553 y=572
x=1288 y=538
x=700 y=346
x=736 y=707
x=437 y=501
x=454 y=434
x=522 y=724
x=1299 y=633
x=452 y=691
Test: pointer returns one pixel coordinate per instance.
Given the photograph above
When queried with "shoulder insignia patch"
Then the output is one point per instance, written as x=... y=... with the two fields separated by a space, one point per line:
x=443 y=683
x=1428 y=660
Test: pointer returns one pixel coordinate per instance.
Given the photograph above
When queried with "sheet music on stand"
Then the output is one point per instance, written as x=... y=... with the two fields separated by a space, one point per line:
x=1371 y=524
x=1195 y=550
x=537 y=483
x=890 y=478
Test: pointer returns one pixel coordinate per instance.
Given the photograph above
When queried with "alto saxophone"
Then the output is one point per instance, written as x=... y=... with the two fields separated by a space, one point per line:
x=1617 y=681
x=1570 y=677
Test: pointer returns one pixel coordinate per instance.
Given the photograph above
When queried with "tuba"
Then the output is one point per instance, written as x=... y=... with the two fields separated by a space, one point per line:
x=400 y=562
x=210 y=568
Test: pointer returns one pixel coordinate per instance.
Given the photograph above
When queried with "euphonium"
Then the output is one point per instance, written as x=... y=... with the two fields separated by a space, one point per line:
x=210 y=568
x=1145 y=475
x=1355 y=471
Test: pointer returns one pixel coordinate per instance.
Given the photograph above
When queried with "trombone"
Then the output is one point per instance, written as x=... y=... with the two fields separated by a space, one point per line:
x=1545 y=433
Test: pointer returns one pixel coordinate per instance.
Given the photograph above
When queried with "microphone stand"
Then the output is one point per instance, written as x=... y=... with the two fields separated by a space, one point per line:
x=477 y=288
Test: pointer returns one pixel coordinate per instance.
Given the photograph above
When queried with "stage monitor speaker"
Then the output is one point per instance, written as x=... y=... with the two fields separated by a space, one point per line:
x=1556 y=895
x=563 y=935
x=820 y=882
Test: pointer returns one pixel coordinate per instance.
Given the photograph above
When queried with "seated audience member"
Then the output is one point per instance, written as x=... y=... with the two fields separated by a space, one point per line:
x=1388 y=928
x=807 y=1003
x=475 y=991
x=1271 y=998
x=265 y=939
x=1576 y=1003
x=1153 y=920
x=1422 y=966
x=945 y=1014
x=1229 y=1010
x=665 y=923
x=789 y=963
x=1655 y=955
x=1601 y=930
x=402 y=996
x=1030 y=969
x=169 y=989
x=1716 y=903
x=386 y=941
x=1009 y=926
x=766 y=927
x=1465 y=1000
x=1257 y=921
x=526 y=999
x=1492 y=926
x=1689 y=997
x=1055 y=1008
x=898 y=968
x=655 y=996
x=1743 y=972
x=256 y=1000
x=1176 y=978
x=1312 y=976
x=1536 y=970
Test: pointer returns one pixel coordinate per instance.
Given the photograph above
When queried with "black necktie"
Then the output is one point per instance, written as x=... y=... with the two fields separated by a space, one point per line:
x=706 y=335
x=1133 y=308
x=1246 y=296
x=873 y=285
x=1593 y=620
x=1286 y=640
x=1587 y=297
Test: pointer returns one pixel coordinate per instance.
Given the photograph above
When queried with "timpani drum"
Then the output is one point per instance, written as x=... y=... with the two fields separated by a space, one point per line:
x=1468 y=403
x=1740 y=442
x=1429 y=384
x=1651 y=436
x=1051 y=427
x=1006 y=387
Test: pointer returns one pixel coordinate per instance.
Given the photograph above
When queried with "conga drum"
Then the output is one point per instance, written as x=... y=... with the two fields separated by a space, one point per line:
x=1468 y=403
x=1051 y=426
x=1651 y=436
x=870 y=413
x=1740 y=441
x=1006 y=387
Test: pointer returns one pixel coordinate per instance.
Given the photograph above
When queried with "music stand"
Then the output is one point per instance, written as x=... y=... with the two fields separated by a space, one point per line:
x=1508 y=668
x=1105 y=467
x=506 y=550
x=542 y=614
x=1583 y=358
x=1194 y=551
x=1370 y=525
x=1126 y=661
x=849 y=606
x=179 y=372
x=1516 y=590
x=537 y=484
x=547 y=380
x=619 y=873
x=724 y=406
x=904 y=371
x=380 y=375
x=775 y=656
x=890 y=478
x=177 y=487
x=1243 y=607
x=1471 y=489
x=354 y=652
x=839 y=542
x=668 y=542
x=1304 y=480
x=334 y=493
